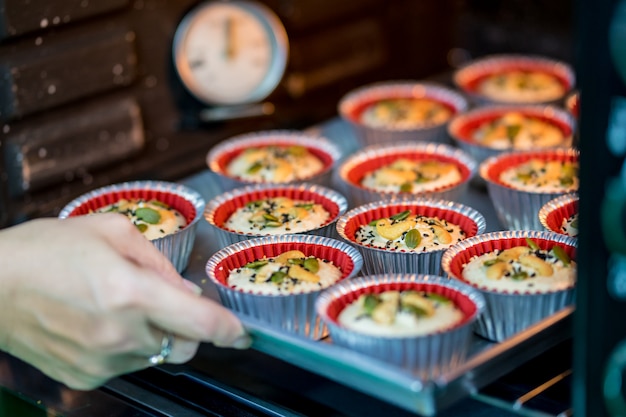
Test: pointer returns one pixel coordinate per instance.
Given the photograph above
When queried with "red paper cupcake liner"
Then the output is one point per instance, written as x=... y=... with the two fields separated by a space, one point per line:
x=269 y=248
x=556 y=211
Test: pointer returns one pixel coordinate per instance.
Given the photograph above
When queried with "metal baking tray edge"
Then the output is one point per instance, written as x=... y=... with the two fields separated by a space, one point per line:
x=399 y=387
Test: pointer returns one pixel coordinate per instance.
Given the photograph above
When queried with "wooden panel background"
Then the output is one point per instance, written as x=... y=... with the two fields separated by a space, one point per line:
x=65 y=63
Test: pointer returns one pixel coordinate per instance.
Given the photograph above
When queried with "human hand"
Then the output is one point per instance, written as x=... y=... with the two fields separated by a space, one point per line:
x=89 y=298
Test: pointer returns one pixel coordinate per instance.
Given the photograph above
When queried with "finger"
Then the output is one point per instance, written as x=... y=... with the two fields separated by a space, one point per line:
x=134 y=246
x=204 y=319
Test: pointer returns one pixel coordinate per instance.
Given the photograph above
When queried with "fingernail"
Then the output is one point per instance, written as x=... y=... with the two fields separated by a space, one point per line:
x=192 y=286
x=242 y=342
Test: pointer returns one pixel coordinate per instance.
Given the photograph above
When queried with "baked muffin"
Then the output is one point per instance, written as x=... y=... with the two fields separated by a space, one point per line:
x=520 y=183
x=405 y=171
x=525 y=276
x=166 y=213
x=277 y=279
x=421 y=323
x=262 y=210
x=560 y=215
x=515 y=79
x=394 y=111
x=406 y=236
x=273 y=157
x=487 y=131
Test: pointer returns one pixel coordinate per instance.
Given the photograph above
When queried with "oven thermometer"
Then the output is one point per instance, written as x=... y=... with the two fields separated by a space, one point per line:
x=231 y=54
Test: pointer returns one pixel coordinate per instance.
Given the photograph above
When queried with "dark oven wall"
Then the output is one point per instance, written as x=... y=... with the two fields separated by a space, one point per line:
x=88 y=95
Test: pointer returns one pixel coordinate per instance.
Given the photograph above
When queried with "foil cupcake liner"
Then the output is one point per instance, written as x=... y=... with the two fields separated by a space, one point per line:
x=516 y=209
x=508 y=313
x=223 y=206
x=555 y=211
x=426 y=356
x=177 y=246
x=467 y=77
x=355 y=167
x=293 y=313
x=353 y=103
x=221 y=154
x=380 y=261
x=462 y=127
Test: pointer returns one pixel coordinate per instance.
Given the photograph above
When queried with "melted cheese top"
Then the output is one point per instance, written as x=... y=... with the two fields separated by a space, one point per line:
x=522 y=87
x=278 y=215
x=408 y=176
x=409 y=233
x=521 y=269
x=405 y=113
x=275 y=164
x=400 y=314
x=288 y=273
x=515 y=131
x=541 y=176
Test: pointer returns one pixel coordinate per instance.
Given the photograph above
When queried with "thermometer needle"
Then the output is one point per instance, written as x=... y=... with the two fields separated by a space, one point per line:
x=229 y=32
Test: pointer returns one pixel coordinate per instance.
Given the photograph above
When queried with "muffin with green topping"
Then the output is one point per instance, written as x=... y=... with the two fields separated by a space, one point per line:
x=422 y=323
x=520 y=183
x=166 y=213
x=407 y=236
x=262 y=210
x=276 y=279
x=153 y=218
x=525 y=276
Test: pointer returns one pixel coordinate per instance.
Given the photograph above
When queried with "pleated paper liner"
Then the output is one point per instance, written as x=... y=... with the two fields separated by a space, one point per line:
x=517 y=209
x=223 y=206
x=509 y=312
x=353 y=170
x=556 y=211
x=294 y=312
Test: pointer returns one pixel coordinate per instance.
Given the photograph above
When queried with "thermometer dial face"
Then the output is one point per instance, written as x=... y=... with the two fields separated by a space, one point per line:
x=230 y=52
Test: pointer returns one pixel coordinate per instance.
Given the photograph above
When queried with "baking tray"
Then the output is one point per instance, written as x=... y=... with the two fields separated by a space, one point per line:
x=486 y=362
